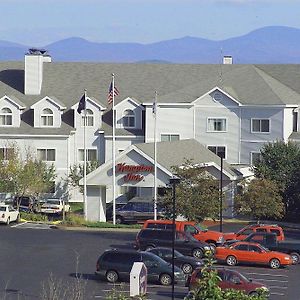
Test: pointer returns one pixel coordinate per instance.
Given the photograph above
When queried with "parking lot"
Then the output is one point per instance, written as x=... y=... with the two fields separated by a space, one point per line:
x=29 y=253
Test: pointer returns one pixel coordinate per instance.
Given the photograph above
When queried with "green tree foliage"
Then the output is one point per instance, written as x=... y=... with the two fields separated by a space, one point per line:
x=28 y=176
x=281 y=164
x=207 y=288
x=76 y=173
x=259 y=199
x=197 y=194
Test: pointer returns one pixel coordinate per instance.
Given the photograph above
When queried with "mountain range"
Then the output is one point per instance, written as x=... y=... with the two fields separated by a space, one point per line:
x=267 y=45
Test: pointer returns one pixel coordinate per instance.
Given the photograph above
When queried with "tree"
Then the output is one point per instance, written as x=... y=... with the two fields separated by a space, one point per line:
x=77 y=173
x=260 y=199
x=28 y=176
x=281 y=163
x=197 y=194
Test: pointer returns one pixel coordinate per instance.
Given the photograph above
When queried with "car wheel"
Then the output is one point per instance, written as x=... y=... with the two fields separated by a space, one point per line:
x=165 y=279
x=295 y=258
x=197 y=253
x=254 y=294
x=274 y=263
x=8 y=221
x=112 y=276
x=149 y=247
x=231 y=260
x=119 y=220
x=187 y=268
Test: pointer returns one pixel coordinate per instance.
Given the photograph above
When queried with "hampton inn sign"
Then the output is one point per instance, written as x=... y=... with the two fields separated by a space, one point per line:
x=133 y=171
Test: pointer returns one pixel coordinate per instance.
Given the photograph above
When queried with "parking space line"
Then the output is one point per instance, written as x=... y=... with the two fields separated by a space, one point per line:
x=278 y=287
x=277 y=294
x=274 y=280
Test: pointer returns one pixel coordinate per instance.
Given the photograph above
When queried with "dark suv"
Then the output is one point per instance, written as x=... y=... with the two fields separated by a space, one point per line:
x=137 y=209
x=184 y=242
x=25 y=203
x=116 y=264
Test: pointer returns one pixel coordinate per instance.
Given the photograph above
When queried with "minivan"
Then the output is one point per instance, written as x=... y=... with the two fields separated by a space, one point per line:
x=184 y=242
x=116 y=264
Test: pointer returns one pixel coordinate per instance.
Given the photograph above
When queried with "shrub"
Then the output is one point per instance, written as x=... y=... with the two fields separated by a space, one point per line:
x=33 y=217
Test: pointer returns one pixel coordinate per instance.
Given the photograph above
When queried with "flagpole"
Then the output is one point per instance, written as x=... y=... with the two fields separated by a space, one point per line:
x=84 y=166
x=155 y=159
x=114 y=150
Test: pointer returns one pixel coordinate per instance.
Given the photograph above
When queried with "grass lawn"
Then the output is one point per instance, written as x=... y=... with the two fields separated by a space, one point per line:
x=76 y=207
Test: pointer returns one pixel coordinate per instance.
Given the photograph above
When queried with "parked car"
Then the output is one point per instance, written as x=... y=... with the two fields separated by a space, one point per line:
x=199 y=233
x=116 y=264
x=269 y=240
x=137 y=209
x=244 y=232
x=109 y=209
x=25 y=203
x=184 y=242
x=230 y=279
x=187 y=263
x=245 y=252
x=8 y=214
x=55 y=206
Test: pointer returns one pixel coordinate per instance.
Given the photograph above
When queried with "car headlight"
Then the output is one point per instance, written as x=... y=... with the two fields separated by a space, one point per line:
x=199 y=263
x=206 y=248
x=221 y=240
x=287 y=258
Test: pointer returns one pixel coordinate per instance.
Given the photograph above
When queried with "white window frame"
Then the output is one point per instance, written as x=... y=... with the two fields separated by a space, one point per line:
x=216 y=149
x=46 y=154
x=47 y=117
x=260 y=119
x=216 y=118
x=169 y=134
x=7 y=116
x=87 y=154
x=251 y=156
x=89 y=117
x=128 y=117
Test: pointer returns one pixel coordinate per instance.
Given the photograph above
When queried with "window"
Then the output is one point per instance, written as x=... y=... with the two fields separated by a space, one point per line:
x=5 y=116
x=169 y=137
x=261 y=230
x=219 y=150
x=91 y=154
x=276 y=231
x=256 y=157
x=241 y=247
x=47 y=117
x=6 y=153
x=216 y=124
x=260 y=125
x=128 y=118
x=46 y=154
x=246 y=231
x=89 y=116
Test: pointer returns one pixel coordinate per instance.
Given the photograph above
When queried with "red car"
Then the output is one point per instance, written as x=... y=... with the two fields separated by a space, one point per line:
x=252 y=253
x=230 y=279
x=245 y=231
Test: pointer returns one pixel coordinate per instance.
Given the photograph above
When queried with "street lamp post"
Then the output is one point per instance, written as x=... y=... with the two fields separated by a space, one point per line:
x=221 y=196
x=173 y=182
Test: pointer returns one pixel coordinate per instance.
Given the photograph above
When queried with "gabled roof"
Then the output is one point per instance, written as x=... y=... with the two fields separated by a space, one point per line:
x=53 y=100
x=189 y=149
x=15 y=100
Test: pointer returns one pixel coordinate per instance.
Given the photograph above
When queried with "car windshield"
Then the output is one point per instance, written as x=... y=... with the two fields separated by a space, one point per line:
x=154 y=258
x=2 y=208
x=190 y=237
x=264 y=248
x=52 y=201
x=200 y=227
x=241 y=276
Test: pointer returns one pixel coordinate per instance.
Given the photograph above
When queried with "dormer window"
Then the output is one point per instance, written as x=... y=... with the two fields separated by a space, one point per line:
x=47 y=117
x=89 y=115
x=6 y=117
x=128 y=118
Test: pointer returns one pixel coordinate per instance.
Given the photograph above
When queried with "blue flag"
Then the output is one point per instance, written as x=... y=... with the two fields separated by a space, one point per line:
x=81 y=104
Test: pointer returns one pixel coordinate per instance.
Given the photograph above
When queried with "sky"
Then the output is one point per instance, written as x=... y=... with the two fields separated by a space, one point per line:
x=41 y=22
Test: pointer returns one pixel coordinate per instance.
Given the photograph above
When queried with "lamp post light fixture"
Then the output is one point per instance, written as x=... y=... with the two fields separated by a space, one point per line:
x=173 y=182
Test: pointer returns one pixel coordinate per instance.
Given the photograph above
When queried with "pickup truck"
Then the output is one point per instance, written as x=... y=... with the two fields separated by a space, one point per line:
x=269 y=240
x=55 y=206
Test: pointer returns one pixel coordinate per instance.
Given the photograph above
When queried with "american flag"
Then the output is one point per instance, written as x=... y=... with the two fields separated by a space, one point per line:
x=112 y=93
